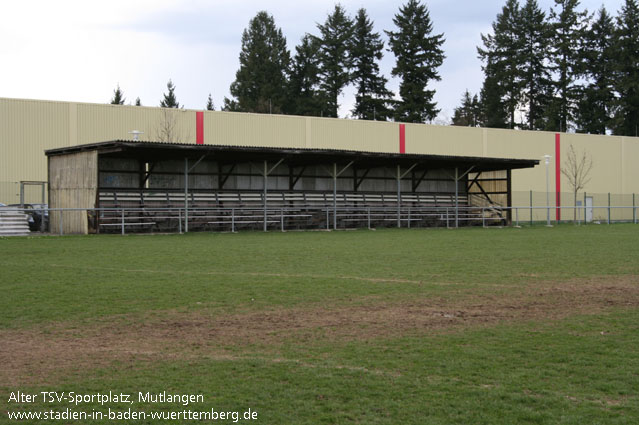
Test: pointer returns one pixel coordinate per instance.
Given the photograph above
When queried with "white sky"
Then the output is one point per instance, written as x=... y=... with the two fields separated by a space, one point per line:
x=79 y=50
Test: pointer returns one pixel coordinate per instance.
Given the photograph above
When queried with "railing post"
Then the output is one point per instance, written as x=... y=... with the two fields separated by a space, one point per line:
x=483 y=218
x=578 y=212
x=180 y=220
x=232 y=220
x=517 y=217
x=61 y=222
x=409 y=217
x=328 y=224
x=608 y=207
x=531 y=209
x=122 y=218
x=369 y=218
x=585 y=209
x=447 y=226
x=42 y=219
x=282 y=220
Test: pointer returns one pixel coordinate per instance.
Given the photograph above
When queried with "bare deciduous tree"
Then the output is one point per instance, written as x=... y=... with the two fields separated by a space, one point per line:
x=577 y=169
x=166 y=130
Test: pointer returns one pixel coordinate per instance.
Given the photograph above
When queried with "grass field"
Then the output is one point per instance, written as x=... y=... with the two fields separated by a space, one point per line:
x=469 y=326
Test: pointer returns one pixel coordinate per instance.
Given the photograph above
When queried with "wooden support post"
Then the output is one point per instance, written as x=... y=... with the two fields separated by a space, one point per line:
x=355 y=179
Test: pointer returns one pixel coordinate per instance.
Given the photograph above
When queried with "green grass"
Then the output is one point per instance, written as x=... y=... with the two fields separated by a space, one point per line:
x=537 y=372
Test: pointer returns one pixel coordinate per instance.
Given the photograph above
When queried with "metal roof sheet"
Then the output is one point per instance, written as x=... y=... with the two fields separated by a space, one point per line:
x=164 y=150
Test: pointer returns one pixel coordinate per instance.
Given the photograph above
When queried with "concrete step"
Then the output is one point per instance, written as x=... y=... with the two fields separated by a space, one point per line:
x=15 y=227
x=13 y=223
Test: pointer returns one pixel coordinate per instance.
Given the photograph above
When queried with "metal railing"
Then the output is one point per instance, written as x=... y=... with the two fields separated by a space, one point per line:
x=171 y=220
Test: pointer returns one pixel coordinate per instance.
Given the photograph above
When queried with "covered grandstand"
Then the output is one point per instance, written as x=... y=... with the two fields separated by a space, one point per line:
x=165 y=187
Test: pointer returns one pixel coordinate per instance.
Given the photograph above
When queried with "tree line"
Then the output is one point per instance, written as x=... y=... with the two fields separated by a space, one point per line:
x=345 y=51
x=558 y=71
x=561 y=70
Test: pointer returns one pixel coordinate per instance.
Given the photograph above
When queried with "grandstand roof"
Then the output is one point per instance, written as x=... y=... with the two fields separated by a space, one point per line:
x=161 y=150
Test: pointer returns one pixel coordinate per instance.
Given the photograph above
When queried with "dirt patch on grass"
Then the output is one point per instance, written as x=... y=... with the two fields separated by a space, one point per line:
x=39 y=356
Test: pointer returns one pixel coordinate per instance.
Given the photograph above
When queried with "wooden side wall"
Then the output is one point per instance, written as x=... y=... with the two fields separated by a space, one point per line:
x=73 y=183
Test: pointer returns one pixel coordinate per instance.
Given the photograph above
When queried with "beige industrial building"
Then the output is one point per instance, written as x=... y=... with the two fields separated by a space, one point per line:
x=28 y=128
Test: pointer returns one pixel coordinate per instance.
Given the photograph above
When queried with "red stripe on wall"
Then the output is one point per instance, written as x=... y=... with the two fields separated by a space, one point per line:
x=199 y=128
x=558 y=175
x=402 y=138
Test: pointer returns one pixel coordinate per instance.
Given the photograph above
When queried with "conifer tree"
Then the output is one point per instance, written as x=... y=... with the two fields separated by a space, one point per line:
x=468 y=114
x=260 y=83
x=627 y=70
x=373 y=98
x=568 y=27
x=534 y=77
x=334 y=58
x=594 y=110
x=209 y=104
x=169 y=100
x=492 y=110
x=418 y=54
x=304 y=95
x=118 y=96
x=501 y=54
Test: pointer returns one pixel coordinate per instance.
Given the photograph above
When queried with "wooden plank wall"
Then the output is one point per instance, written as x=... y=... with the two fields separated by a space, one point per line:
x=73 y=183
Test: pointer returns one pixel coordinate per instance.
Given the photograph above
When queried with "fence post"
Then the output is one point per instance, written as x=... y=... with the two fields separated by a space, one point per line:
x=585 y=209
x=369 y=218
x=578 y=213
x=282 y=219
x=122 y=218
x=608 y=207
x=42 y=220
x=531 y=209
x=409 y=217
x=483 y=218
x=447 y=226
x=634 y=209
x=186 y=219
x=180 y=220
x=61 y=222
x=517 y=217
x=328 y=225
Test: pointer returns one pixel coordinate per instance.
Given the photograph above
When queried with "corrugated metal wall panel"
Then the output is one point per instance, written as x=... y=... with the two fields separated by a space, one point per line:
x=605 y=152
x=443 y=140
x=630 y=164
x=337 y=134
x=28 y=127
x=371 y=136
x=232 y=128
x=97 y=123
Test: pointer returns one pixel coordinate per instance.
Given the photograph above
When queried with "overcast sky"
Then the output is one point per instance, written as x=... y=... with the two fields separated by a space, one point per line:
x=79 y=50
